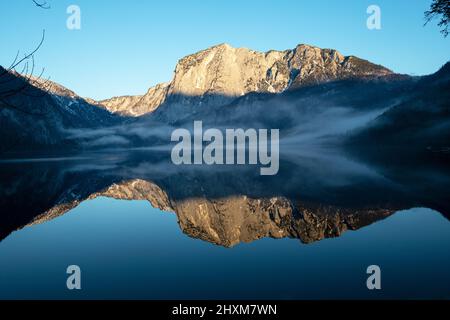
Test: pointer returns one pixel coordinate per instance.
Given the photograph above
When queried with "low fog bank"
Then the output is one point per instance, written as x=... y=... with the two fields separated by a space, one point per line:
x=300 y=125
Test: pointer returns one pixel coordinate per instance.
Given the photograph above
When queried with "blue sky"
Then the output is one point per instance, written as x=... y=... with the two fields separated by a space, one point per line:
x=125 y=47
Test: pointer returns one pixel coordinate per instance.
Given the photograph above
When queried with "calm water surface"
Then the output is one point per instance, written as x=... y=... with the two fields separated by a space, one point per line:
x=141 y=234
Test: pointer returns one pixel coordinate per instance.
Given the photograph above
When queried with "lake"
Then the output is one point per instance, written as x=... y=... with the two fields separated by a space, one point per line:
x=140 y=228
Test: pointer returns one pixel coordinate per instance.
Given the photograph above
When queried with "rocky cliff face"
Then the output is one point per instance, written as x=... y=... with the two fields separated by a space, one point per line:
x=135 y=106
x=220 y=74
x=228 y=71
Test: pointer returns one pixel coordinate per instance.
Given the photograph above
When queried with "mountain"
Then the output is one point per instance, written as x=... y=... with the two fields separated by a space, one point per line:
x=137 y=105
x=314 y=95
x=421 y=122
x=218 y=75
x=37 y=114
x=233 y=72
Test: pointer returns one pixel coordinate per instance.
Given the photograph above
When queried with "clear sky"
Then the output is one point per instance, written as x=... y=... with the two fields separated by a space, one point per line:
x=124 y=47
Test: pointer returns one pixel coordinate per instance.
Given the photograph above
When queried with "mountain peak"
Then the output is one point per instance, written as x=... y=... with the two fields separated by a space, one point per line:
x=223 y=46
x=221 y=73
x=224 y=70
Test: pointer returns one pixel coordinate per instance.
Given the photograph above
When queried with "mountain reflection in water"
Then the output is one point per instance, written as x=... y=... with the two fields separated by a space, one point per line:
x=313 y=197
x=65 y=212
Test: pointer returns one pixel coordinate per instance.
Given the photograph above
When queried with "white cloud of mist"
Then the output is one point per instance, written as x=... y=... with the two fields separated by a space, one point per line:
x=302 y=121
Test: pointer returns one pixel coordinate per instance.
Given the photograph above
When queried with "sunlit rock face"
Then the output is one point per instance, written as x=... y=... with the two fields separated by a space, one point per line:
x=135 y=106
x=228 y=71
x=232 y=72
x=219 y=74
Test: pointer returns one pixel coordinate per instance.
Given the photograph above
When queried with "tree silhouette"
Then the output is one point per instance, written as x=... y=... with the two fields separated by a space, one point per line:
x=439 y=8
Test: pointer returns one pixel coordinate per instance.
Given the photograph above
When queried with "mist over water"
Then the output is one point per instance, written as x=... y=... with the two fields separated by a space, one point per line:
x=305 y=125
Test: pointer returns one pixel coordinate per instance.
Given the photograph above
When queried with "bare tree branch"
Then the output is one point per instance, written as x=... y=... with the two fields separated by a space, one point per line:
x=43 y=5
x=24 y=82
x=27 y=56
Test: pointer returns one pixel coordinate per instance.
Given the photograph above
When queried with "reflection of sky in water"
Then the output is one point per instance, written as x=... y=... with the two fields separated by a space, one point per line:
x=127 y=249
